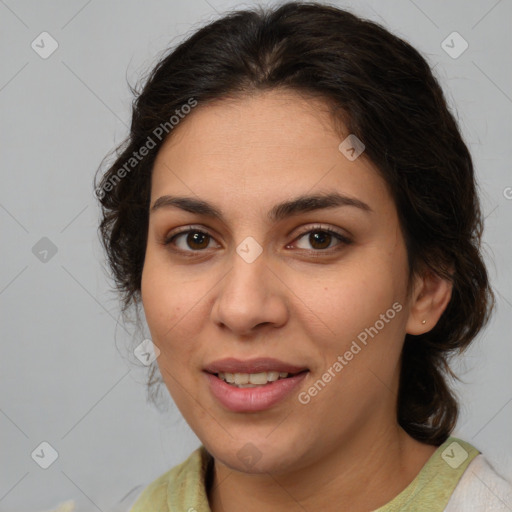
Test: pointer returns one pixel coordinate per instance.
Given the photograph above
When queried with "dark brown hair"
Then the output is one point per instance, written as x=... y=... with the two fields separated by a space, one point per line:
x=384 y=92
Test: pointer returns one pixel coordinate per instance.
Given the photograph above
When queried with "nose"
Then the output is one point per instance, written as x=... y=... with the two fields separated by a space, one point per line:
x=251 y=297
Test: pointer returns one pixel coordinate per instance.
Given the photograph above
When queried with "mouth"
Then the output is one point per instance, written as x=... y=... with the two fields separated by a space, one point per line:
x=253 y=380
x=252 y=385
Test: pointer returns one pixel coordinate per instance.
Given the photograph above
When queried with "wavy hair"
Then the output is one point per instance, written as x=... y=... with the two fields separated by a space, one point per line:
x=385 y=93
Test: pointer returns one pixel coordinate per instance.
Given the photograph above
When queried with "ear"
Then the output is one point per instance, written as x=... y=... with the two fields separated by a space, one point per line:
x=431 y=295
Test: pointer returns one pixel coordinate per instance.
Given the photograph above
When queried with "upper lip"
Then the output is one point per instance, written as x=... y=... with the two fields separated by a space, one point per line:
x=256 y=365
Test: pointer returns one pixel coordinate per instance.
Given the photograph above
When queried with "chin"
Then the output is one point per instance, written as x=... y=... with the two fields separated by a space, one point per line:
x=253 y=456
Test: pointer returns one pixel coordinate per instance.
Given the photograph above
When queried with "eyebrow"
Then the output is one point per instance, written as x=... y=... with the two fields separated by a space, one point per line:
x=296 y=206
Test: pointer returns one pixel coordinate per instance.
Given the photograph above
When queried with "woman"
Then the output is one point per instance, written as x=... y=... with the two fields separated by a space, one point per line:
x=296 y=211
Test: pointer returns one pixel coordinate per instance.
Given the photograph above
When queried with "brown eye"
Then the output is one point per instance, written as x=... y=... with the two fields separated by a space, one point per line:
x=190 y=240
x=321 y=239
x=197 y=240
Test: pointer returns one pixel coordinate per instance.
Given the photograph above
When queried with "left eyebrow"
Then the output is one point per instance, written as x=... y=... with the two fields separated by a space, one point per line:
x=295 y=206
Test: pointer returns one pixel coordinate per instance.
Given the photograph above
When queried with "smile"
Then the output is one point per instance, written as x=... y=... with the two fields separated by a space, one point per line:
x=251 y=380
x=250 y=396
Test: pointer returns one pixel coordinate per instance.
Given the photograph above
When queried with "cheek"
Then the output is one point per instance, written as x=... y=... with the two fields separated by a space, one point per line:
x=162 y=302
x=347 y=302
x=174 y=312
x=362 y=301
x=165 y=311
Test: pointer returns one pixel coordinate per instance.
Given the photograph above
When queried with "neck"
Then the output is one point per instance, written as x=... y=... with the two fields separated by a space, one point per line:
x=359 y=475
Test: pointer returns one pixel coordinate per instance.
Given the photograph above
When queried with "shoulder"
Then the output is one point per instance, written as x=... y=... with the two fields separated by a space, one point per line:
x=481 y=489
x=179 y=484
x=153 y=494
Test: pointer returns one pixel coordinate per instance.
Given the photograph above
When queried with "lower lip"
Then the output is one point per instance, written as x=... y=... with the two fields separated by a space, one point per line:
x=252 y=399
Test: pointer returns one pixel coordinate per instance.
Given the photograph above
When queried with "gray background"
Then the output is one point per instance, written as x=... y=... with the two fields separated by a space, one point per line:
x=66 y=373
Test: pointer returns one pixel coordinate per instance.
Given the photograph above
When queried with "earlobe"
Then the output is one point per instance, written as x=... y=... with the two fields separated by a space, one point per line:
x=428 y=302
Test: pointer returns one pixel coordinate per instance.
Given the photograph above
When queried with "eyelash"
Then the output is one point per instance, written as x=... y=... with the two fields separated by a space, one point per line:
x=315 y=229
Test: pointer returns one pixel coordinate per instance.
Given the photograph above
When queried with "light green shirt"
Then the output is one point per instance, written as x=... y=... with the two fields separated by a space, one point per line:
x=183 y=488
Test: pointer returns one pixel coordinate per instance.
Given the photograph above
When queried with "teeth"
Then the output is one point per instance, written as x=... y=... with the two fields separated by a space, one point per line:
x=242 y=378
x=251 y=380
x=258 y=378
x=273 y=376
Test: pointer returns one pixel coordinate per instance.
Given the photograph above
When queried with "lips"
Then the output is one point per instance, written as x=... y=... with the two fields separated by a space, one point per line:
x=231 y=382
x=257 y=365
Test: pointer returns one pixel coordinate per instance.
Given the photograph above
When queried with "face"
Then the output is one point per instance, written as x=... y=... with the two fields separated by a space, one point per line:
x=312 y=293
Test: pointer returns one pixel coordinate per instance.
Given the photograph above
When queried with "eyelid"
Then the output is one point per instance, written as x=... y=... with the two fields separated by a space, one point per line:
x=186 y=229
x=342 y=238
x=322 y=227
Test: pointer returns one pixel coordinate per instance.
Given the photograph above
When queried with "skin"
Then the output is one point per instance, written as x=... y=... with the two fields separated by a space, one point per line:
x=294 y=303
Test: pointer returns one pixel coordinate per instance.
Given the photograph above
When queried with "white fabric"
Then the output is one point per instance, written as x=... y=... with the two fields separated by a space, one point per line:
x=481 y=489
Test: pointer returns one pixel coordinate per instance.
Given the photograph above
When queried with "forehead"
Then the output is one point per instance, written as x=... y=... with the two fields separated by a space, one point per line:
x=271 y=145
